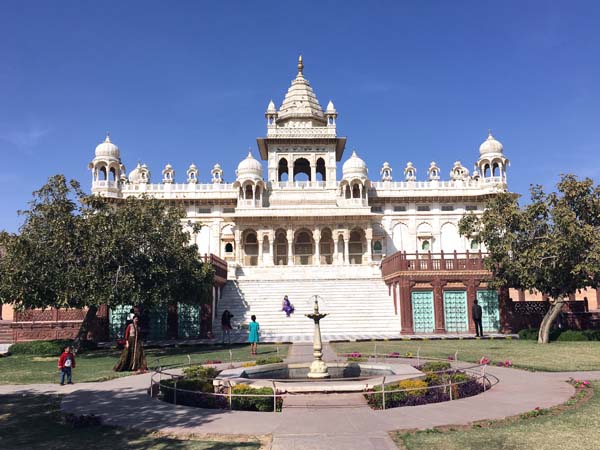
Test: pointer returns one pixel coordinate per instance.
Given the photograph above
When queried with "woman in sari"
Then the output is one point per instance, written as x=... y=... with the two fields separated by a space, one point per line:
x=287 y=306
x=132 y=358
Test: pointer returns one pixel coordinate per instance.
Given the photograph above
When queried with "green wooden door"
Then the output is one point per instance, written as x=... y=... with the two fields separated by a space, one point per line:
x=490 y=318
x=455 y=311
x=188 y=320
x=117 y=318
x=157 y=322
x=422 y=309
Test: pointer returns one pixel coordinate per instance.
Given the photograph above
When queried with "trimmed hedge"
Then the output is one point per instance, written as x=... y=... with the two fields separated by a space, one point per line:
x=40 y=348
x=48 y=348
x=200 y=372
x=531 y=334
x=435 y=366
x=268 y=360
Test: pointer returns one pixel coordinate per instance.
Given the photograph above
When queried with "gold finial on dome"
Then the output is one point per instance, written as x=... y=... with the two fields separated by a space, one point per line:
x=300 y=65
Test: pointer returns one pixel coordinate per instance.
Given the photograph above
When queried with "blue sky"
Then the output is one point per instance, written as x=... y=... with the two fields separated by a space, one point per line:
x=189 y=81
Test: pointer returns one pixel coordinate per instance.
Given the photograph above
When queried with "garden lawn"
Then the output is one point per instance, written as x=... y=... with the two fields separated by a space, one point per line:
x=575 y=429
x=35 y=422
x=553 y=357
x=97 y=365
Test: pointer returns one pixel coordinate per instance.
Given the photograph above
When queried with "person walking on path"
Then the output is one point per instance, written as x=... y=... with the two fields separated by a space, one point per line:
x=476 y=313
x=253 y=328
x=66 y=363
x=132 y=358
x=226 y=326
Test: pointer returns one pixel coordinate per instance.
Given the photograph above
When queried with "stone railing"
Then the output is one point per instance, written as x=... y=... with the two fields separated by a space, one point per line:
x=177 y=187
x=449 y=184
x=308 y=132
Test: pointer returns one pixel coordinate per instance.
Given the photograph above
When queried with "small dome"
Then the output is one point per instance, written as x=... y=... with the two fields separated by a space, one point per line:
x=354 y=166
x=107 y=149
x=135 y=175
x=192 y=167
x=249 y=168
x=168 y=167
x=490 y=146
x=330 y=108
x=271 y=107
x=217 y=166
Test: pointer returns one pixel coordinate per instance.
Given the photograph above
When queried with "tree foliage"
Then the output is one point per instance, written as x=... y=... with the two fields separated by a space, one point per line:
x=76 y=251
x=550 y=245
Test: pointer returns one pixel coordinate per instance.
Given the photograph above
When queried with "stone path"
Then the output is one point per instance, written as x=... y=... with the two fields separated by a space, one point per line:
x=323 y=427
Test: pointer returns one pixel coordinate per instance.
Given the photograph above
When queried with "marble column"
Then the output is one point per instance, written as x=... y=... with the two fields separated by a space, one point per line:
x=346 y=250
x=317 y=238
x=290 y=240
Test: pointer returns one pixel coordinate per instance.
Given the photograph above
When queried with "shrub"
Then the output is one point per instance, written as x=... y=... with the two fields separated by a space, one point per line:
x=40 y=348
x=418 y=387
x=592 y=335
x=191 y=392
x=531 y=334
x=435 y=366
x=200 y=372
x=572 y=336
x=268 y=360
x=254 y=403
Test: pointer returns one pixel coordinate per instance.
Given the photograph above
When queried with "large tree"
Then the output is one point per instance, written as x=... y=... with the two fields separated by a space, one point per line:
x=551 y=245
x=76 y=251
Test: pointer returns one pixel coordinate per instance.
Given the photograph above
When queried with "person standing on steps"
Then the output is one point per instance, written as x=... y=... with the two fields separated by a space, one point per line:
x=253 y=328
x=477 y=313
x=226 y=326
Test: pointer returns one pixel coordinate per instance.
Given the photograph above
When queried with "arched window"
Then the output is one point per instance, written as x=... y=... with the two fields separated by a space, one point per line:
x=302 y=170
x=425 y=245
x=102 y=173
x=377 y=247
x=282 y=170
x=326 y=247
x=321 y=174
x=248 y=192
x=474 y=245
x=496 y=170
x=229 y=247
x=355 y=191
x=281 y=249
x=113 y=174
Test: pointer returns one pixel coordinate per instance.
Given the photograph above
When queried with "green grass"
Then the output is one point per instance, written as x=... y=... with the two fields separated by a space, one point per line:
x=554 y=357
x=35 y=422
x=574 y=429
x=97 y=365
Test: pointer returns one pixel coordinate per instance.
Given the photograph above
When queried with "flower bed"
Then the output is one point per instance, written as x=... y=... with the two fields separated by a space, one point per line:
x=196 y=388
x=434 y=388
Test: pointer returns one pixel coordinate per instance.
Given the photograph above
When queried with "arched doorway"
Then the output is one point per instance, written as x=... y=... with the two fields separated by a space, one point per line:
x=355 y=247
x=282 y=170
x=251 y=249
x=326 y=246
x=281 y=248
x=321 y=174
x=303 y=248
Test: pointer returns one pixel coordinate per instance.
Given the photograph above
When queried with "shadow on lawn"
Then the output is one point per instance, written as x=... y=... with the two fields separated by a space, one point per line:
x=32 y=420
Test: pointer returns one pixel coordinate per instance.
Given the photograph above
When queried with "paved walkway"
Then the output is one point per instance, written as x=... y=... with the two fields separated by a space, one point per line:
x=323 y=427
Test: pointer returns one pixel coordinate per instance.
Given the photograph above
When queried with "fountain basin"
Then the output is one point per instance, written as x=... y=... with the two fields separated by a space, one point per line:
x=294 y=377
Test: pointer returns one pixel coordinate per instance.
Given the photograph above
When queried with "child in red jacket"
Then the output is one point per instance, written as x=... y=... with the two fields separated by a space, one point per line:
x=66 y=362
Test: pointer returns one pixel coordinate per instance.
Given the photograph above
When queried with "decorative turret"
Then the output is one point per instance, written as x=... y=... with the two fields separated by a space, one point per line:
x=107 y=169
x=271 y=115
x=192 y=174
x=249 y=181
x=217 y=174
x=410 y=172
x=354 y=167
x=139 y=175
x=433 y=172
x=492 y=163
x=458 y=172
x=168 y=174
x=386 y=172
x=330 y=114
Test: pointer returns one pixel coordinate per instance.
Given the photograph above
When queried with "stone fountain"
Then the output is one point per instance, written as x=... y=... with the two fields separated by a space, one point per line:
x=318 y=368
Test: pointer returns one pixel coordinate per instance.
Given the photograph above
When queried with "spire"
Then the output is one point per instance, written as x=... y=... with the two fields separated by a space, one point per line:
x=300 y=66
x=107 y=137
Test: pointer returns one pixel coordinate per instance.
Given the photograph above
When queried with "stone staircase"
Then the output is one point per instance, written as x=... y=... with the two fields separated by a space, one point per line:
x=356 y=307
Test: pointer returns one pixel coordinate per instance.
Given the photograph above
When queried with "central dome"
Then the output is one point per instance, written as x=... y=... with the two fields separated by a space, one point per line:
x=490 y=146
x=354 y=167
x=107 y=149
x=249 y=168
